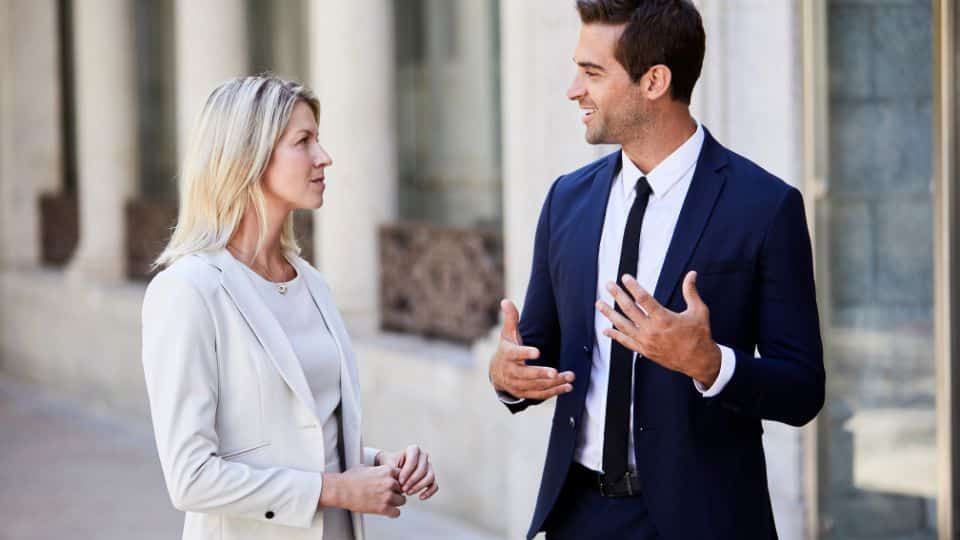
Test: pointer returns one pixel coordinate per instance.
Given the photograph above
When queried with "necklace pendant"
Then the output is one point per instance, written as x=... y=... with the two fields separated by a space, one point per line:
x=282 y=288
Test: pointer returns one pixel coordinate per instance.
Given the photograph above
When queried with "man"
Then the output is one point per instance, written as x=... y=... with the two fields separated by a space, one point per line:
x=657 y=272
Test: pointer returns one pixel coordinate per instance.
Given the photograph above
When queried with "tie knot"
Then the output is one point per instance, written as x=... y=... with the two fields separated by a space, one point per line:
x=643 y=187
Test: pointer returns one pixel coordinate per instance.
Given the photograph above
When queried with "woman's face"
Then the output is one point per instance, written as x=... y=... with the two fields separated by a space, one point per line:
x=294 y=177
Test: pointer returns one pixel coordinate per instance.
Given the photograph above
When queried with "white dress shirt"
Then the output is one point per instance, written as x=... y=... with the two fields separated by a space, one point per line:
x=670 y=181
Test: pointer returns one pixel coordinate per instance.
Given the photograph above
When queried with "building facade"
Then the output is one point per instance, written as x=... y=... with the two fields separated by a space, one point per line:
x=453 y=113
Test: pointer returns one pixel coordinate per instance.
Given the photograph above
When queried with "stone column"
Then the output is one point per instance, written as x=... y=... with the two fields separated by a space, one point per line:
x=6 y=104
x=107 y=136
x=543 y=138
x=211 y=47
x=32 y=125
x=762 y=119
x=352 y=69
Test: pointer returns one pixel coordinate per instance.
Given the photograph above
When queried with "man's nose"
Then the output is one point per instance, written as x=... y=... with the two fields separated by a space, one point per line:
x=576 y=90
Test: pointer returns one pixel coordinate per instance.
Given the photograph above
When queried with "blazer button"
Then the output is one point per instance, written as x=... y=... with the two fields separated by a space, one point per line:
x=586 y=348
x=573 y=423
x=269 y=514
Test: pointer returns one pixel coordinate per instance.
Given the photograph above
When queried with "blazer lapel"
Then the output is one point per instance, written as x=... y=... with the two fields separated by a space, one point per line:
x=349 y=384
x=705 y=188
x=592 y=229
x=265 y=326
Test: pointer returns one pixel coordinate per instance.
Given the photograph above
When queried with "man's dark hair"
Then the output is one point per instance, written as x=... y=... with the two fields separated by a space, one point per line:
x=667 y=32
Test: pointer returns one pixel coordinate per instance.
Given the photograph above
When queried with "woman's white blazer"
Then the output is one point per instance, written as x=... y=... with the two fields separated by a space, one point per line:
x=239 y=440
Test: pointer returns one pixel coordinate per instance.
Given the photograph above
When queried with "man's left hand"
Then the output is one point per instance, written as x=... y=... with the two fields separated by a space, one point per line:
x=677 y=341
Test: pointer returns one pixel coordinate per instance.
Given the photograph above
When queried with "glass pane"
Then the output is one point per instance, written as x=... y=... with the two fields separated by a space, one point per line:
x=155 y=87
x=878 y=447
x=448 y=103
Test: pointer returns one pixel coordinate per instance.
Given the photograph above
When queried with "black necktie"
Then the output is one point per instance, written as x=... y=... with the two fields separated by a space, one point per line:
x=617 y=426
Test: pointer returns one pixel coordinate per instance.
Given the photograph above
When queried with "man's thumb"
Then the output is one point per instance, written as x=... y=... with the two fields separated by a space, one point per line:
x=511 y=318
x=690 y=293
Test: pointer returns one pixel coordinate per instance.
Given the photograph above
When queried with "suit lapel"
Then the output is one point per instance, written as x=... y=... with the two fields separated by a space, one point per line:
x=705 y=188
x=265 y=326
x=591 y=231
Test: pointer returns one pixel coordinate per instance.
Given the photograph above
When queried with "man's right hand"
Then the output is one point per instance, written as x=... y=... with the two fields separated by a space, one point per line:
x=509 y=371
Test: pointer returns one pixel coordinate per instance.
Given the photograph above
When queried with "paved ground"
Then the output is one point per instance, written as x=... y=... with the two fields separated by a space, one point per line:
x=66 y=472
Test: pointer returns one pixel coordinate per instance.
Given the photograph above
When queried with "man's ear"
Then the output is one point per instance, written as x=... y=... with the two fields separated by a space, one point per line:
x=655 y=83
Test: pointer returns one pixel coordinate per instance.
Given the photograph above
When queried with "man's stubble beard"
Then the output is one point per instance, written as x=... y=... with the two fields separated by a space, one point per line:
x=634 y=126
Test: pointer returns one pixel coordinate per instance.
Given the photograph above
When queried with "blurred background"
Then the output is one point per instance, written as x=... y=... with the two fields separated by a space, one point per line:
x=447 y=123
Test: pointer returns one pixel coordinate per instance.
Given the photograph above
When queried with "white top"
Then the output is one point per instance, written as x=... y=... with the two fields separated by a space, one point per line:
x=670 y=181
x=301 y=320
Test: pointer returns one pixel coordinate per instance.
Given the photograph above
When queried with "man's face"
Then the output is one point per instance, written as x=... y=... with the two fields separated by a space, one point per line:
x=612 y=106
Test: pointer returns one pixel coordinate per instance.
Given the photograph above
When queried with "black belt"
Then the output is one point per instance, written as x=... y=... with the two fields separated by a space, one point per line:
x=627 y=485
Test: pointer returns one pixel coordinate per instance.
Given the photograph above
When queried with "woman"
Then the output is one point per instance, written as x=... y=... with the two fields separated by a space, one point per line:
x=250 y=373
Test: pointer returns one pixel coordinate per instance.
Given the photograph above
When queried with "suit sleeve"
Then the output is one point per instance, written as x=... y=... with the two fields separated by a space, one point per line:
x=786 y=382
x=539 y=324
x=181 y=370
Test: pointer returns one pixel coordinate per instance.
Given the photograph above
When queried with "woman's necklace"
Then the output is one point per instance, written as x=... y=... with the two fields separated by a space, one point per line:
x=281 y=287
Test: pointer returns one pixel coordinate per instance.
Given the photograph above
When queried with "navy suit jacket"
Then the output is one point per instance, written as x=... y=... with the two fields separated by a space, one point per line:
x=700 y=459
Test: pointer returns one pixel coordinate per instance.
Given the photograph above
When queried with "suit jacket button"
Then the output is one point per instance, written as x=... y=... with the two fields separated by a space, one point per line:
x=586 y=348
x=269 y=514
x=573 y=423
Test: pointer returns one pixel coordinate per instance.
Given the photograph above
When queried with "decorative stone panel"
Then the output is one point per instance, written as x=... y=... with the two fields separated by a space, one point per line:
x=440 y=282
x=150 y=224
x=59 y=228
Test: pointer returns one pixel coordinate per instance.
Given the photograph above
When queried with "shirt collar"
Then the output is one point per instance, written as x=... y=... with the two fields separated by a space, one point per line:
x=665 y=175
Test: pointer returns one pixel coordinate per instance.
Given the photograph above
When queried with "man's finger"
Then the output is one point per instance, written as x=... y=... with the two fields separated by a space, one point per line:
x=549 y=393
x=627 y=304
x=527 y=385
x=690 y=293
x=511 y=321
x=640 y=295
x=520 y=352
x=540 y=385
x=618 y=320
x=530 y=373
x=625 y=340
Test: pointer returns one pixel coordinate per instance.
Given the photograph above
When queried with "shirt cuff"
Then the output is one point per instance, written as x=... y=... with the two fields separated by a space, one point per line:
x=505 y=397
x=370 y=456
x=728 y=362
x=508 y=399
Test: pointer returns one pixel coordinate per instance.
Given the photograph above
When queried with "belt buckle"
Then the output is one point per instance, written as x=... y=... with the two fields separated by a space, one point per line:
x=614 y=489
x=603 y=486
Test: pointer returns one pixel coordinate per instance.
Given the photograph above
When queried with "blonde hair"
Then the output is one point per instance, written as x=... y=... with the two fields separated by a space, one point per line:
x=229 y=150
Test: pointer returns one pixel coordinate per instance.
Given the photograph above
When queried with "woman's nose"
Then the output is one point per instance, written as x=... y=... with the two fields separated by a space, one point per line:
x=322 y=158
